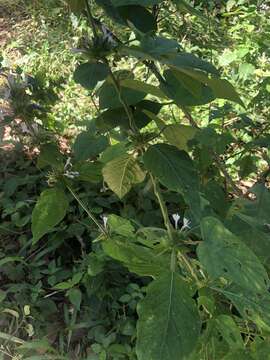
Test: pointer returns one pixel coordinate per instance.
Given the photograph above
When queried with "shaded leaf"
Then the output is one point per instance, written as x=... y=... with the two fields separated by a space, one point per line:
x=89 y=74
x=175 y=169
x=87 y=146
x=169 y=324
x=224 y=255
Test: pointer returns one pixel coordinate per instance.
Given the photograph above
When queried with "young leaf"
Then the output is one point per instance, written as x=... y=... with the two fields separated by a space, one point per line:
x=89 y=74
x=50 y=209
x=169 y=324
x=224 y=255
x=122 y=173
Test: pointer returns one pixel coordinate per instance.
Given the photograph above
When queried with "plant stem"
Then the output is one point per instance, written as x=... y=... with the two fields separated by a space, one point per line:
x=163 y=208
x=91 y=216
x=123 y=102
x=91 y=19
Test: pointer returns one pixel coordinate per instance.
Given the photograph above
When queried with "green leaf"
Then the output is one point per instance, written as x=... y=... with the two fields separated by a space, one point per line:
x=175 y=170
x=252 y=307
x=75 y=297
x=143 y=86
x=89 y=171
x=169 y=324
x=109 y=97
x=87 y=146
x=120 y=226
x=224 y=255
x=221 y=88
x=137 y=258
x=9 y=259
x=229 y=331
x=177 y=134
x=89 y=74
x=184 y=90
x=49 y=210
x=139 y=17
x=113 y=152
x=122 y=173
x=50 y=156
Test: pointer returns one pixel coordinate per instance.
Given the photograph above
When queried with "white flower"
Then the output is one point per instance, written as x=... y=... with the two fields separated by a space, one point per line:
x=105 y=220
x=68 y=163
x=71 y=174
x=176 y=217
x=186 y=224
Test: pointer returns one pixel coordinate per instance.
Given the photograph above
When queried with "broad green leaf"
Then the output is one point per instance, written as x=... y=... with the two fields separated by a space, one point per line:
x=137 y=258
x=109 y=97
x=166 y=51
x=120 y=226
x=113 y=151
x=229 y=331
x=89 y=74
x=87 y=146
x=178 y=135
x=112 y=118
x=169 y=324
x=224 y=255
x=139 y=17
x=186 y=91
x=50 y=156
x=49 y=210
x=189 y=61
x=89 y=171
x=175 y=169
x=221 y=88
x=142 y=86
x=122 y=173
x=253 y=307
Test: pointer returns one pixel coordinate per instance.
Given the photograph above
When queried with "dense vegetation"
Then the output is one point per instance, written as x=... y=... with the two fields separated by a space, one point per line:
x=135 y=180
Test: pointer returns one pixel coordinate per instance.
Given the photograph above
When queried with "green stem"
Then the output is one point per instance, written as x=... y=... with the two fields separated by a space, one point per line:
x=91 y=19
x=91 y=216
x=123 y=102
x=163 y=208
